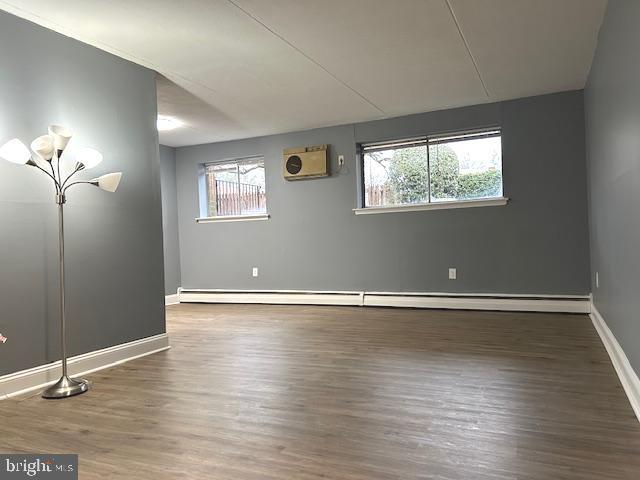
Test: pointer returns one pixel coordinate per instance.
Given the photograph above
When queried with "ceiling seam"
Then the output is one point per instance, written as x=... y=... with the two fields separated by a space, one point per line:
x=110 y=49
x=466 y=45
x=343 y=83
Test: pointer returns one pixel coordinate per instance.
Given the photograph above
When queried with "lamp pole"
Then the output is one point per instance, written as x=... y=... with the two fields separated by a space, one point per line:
x=65 y=386
x=60 y=200
x=49 y=149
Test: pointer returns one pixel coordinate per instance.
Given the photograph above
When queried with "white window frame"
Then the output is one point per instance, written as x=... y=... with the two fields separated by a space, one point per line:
x=427 y=140
x=205 y=193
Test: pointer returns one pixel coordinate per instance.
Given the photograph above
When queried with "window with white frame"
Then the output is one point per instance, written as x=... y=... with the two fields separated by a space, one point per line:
x=424 y=170
x=236 y=188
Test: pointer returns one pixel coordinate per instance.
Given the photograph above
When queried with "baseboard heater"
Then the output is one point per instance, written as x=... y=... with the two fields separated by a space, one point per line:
x=505 y=302
x=278 y=297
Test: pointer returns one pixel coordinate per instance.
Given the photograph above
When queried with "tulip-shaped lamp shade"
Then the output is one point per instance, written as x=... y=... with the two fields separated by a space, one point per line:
x=108 y=182
x=61 y=136
x=43 y=147
x=15 y=151
x=89 y=158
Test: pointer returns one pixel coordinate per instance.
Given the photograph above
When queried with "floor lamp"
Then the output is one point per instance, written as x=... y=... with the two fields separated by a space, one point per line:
x=48 y=151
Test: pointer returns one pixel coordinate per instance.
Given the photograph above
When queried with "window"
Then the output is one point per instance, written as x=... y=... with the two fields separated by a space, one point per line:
x=446 y=168
x=236 y=188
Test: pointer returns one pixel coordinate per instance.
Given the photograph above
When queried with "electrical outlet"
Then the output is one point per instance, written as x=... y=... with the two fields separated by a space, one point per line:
x=340 y=160
x=255 y=271
x=453 y=273
x=597 y=280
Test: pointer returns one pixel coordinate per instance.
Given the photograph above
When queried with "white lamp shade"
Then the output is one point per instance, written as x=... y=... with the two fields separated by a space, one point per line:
x=43 y=147
x=89 y=157
x=109 y=182
x=61 y=136
x=15 y=151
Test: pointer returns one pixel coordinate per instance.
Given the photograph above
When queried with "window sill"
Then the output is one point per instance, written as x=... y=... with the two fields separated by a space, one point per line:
x=485 y=202
x=233 y=218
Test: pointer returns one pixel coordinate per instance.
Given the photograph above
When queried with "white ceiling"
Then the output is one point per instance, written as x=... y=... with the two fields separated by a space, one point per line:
x=242 y=68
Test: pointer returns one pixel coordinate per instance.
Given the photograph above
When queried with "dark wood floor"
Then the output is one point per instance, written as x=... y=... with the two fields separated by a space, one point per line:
x=290 y=392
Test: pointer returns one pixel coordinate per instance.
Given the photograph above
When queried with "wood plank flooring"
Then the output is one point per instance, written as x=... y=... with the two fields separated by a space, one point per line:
x=346 y=393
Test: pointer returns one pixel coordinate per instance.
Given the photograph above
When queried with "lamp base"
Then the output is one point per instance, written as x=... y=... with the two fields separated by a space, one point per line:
x=66 y=387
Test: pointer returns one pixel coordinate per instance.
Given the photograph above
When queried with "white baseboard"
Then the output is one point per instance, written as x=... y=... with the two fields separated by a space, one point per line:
x=506 y=302
x=172 y=299
x=272 y=297
x=39 y=377
x=628 y=377
x=476 y=302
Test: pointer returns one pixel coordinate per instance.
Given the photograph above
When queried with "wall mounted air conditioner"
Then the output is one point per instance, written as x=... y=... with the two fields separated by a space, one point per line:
x=306 y=162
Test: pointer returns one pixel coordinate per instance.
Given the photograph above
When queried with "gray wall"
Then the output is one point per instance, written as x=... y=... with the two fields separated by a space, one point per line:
x=538 y=243
x=612 y=102
x=114 y=241
x=169 y=220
